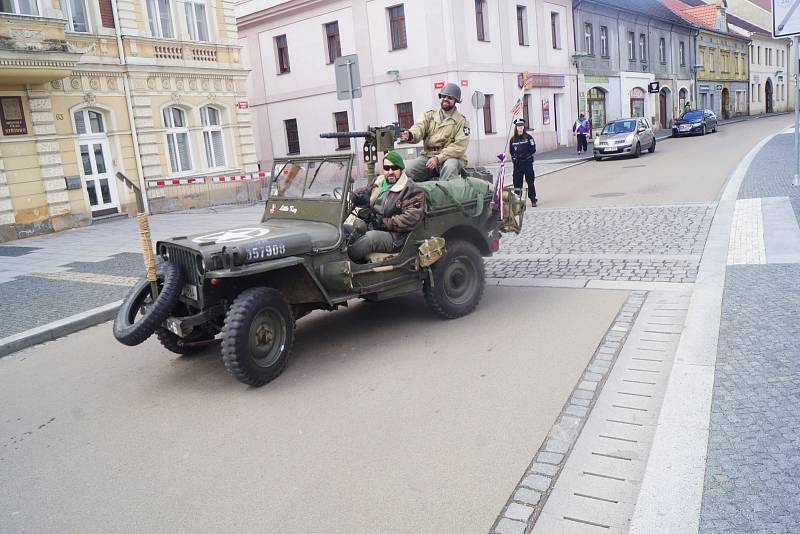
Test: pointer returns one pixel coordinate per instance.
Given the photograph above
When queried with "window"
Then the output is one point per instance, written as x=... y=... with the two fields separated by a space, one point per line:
x=604 y=41
x=212 y=137
x=480 y=20
x=196 y=19
x=588 y=39
x=487 y=115
x=160 y=19
x=292 y=137
x=662 y=50
x=405 y=115
x=282 y=52
x=637 y=102
x=631 y=46
x=88 y=122
x=526 y=110
x=682 y=53
x=397 y=26
x=712 y=54
x=642 y=47
x=333 y=45
x=522 y=25
x=19 y=7
x=75 y=13
x=758 y=55
x=555 y=30
x=180 y=158
x=340 y=120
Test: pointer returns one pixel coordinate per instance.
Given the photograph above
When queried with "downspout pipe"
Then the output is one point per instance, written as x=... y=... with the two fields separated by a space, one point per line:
x=129 y=103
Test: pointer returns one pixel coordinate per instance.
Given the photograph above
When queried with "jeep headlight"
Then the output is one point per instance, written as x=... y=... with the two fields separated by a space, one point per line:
x=201 y=264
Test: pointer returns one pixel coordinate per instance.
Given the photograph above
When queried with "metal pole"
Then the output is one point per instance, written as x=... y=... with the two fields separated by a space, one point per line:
x=796 y=181
x=353 y=113
x=478 y=138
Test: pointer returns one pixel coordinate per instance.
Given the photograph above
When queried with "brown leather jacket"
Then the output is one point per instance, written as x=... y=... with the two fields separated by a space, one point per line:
x=402 y=209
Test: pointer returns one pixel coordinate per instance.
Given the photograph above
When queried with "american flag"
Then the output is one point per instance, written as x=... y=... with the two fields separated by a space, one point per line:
x=516 y=111
x=501 y=182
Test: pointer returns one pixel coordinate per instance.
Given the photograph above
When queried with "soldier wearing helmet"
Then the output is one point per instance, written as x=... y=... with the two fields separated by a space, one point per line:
x=444 y=133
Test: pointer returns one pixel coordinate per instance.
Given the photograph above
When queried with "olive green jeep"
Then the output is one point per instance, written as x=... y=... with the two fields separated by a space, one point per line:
x=253 y=282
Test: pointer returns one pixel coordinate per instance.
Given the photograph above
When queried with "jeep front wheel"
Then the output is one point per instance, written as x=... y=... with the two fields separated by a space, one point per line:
x=458 y=281
x=257 y=336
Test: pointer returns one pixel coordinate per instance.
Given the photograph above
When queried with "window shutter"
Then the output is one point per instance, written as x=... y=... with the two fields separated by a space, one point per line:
x=106 y=14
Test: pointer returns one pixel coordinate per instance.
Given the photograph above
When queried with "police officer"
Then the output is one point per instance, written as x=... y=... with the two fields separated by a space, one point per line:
x=522 y=147
x=444 y=133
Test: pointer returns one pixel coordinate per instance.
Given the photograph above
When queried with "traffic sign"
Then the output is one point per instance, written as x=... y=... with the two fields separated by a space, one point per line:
x=348 y=79
x=785 y=18
x=478 y=100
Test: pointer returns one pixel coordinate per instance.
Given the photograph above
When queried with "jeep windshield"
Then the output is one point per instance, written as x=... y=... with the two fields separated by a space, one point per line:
x=310 y=178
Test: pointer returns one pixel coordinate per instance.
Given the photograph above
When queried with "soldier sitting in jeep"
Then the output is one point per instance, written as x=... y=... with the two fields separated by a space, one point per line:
x=396 y=206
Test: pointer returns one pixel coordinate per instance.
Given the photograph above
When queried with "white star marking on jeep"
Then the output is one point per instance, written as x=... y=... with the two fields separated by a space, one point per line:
x=232 y=236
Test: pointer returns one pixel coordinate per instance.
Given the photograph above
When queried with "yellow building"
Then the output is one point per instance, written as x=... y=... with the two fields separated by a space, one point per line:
x=76 y=75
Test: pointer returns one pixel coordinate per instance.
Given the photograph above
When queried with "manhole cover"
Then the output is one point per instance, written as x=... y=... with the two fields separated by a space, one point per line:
x=606 y=195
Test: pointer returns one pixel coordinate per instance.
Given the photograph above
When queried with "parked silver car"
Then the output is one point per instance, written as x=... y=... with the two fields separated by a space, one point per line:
x=625 y=137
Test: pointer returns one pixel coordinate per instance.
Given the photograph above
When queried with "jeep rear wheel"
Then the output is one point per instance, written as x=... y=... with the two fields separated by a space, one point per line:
x=458 y=281
x=140 y=315
x=258 y=336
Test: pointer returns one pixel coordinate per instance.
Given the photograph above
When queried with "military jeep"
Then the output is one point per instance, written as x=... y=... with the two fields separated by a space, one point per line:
x=253 y=282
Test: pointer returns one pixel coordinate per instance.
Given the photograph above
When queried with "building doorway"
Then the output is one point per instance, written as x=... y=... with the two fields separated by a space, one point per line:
x=683 y=97
x=726 y=103
x=665 y=107
x=94 y=156
x=768 y=95
x=597 y=110
x=637 y=102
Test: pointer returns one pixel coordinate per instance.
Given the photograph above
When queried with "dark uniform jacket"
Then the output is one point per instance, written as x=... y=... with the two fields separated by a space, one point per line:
x=401 y=207
x=522 y=148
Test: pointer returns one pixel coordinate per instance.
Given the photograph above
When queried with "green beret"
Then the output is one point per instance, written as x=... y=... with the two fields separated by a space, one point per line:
x=395 y=158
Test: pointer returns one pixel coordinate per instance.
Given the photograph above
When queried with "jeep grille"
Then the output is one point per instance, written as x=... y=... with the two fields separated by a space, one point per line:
x=187 y=260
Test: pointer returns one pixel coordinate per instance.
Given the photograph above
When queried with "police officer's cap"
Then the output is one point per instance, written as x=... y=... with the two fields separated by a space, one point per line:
x=519 y=121
x=452 y=90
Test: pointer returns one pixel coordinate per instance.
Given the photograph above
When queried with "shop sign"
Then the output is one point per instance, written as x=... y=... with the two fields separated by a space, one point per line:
x=719 y=87
x=530 y=81
x=464 y=83
x=11 y=116
x=703 y=88
x=438 y=85
x=242 y=104
x=637 y=92
x=595 y=79
x=653 y=87
x=545 y=111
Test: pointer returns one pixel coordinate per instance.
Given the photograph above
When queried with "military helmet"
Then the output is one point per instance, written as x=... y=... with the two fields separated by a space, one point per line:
x=453 y=90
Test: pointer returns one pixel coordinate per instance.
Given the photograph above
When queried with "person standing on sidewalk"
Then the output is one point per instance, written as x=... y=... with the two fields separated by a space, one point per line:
x=444 y=133
x=581 y=131
x=522 y=147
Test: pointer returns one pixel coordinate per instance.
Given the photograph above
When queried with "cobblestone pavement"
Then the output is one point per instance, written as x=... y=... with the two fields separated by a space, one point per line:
x=772 y=172
x=646 y=243
x=751 y=483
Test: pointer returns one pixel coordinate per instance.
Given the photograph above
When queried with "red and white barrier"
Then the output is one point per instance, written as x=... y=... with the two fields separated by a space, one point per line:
x=207 y=180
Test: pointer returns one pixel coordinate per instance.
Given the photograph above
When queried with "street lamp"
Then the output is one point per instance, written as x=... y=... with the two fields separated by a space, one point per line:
x=695 y=68
x=576 y=58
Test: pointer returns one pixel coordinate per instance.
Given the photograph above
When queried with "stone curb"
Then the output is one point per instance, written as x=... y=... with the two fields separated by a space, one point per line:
x=528 y=498
x=57 y=329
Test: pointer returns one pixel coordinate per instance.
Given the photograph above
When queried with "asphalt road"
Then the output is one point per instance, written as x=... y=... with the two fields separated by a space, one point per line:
x=683 y=170
x=387 y=419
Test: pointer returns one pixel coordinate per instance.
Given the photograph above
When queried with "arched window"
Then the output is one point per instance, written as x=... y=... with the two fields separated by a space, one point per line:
x=637 y=102
x=212 y=137
x=88 y=122
x=180 y=156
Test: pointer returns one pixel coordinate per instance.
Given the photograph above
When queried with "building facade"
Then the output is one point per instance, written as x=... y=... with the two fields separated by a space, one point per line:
x=627 y=46
x=89 y=88
x=771 y=90
x=406 y=52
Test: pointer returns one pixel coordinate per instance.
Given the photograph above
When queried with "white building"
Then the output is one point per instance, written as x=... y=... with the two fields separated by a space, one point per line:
x=406 y=52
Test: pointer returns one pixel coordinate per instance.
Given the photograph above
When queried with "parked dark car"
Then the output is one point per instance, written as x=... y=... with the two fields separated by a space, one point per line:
x=695 y=121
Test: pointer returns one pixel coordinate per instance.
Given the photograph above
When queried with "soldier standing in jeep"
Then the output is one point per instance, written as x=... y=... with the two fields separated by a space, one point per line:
x=444 y=134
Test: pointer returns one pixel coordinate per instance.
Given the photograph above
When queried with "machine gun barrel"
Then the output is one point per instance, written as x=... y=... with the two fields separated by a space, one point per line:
x=339 y=135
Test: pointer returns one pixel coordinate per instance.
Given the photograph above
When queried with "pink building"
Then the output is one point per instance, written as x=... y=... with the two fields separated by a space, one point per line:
x=406 y=50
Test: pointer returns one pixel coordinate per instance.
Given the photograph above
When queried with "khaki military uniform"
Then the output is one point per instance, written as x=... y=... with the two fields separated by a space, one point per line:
x=444 y=137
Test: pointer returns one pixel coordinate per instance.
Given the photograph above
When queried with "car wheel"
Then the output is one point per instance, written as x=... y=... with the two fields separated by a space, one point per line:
x=652 y=146
x=140 y=316
x=638 y=151
x=715 y=128
x=598 y=158
x=258 y=335
x=185 y=346
x=458 y=281
x=703 y=131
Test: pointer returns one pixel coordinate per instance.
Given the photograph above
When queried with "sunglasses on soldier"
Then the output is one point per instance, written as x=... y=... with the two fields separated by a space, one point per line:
x=391 y=168
x=448 y=97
